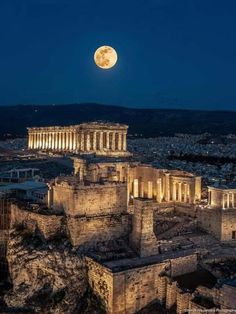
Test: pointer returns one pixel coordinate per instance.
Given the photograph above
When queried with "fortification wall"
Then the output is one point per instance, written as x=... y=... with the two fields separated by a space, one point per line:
x=90 y=230
x=101 y=281
x=228 y=224
x=130 y=290
x=96 y=199
x=187 y=209
x=48 y=225
x=220 y=223
x=210 y=220
x=183 y=265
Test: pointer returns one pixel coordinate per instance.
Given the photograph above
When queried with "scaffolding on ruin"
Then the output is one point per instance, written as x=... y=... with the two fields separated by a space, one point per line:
x=4 y=234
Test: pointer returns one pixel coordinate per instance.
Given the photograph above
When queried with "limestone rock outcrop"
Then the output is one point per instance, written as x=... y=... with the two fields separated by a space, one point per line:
x=48 y=277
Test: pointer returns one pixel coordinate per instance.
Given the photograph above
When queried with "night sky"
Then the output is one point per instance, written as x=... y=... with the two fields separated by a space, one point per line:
x=172 y=53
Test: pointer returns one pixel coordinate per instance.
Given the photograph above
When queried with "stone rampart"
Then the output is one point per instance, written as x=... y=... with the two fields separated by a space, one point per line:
x=130 y=290
x=48 y=225
x=90 y=230
x=89 y=200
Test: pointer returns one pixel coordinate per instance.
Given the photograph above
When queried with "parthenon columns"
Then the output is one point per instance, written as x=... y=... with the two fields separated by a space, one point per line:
x=114 y=141
x=100 y=138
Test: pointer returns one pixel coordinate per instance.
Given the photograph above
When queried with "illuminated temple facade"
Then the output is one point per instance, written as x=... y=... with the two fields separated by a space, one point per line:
x=108 y=139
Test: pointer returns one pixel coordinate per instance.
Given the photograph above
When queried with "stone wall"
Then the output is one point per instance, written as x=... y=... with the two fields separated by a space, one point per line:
x=210 y=220
x=183 y=265
x=101 y=281
x=95 y=199
x=48 y=225
x=228 y=297
x=127 y=291
x=186 y=209
x=90 y=230
x=131 y=290
x=142 y=238
x=171 y=293
x=228 y=224
x=182 y=301
x=220 y=223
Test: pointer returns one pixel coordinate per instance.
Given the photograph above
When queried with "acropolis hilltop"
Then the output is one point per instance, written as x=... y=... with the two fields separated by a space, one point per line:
x=131 y=236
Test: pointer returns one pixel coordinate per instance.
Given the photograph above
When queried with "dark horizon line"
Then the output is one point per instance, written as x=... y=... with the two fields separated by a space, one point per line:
x=117 y=106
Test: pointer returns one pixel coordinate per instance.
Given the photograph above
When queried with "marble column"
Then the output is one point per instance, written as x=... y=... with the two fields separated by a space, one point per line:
x=101 y=140
x=67 y=140
x=59 y=140
x=150 y=189
x=49 y=140
x=40 y=140
x=53 y=140
x=43 y=141
x=30 y=140
x=36 y=140
x=113 y=141
x=227 y=200
x=68 y=137
x=62 y=140
x=185 y=192
x=46 y=140
x=174 y=192
x=124 y=142
x=71 y=140
x=74 y=140
x=95 y=141
x=233 y=200
x=159 y=191
x=135 y=188
x=119 y=141
x=82 y=141
x=141 y=190
x=223 y=201
x=107 y=140
x=88 y=144
x=180 y=192
x=189 y=194
x=167 y=187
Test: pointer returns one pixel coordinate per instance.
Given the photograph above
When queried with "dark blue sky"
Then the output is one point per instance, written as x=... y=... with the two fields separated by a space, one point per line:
x=172 y=53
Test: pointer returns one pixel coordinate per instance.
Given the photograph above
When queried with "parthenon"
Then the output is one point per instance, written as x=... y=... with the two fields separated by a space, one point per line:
x=107 y=139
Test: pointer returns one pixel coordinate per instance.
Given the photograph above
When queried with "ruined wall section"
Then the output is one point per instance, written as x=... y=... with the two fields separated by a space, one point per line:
x=228 y=224
x=210 y=220
x=218 y=222
x=87 y=231
x=48 y=225
x=142 y=238
x=131 y=290
x=101 y=281
x=91 y=200
x=183 y=265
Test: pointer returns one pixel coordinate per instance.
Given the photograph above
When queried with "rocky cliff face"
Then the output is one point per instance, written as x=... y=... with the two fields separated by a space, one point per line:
x=47 y=277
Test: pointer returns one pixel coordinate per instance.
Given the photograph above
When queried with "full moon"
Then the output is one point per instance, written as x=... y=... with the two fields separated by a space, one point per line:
x=105 y=57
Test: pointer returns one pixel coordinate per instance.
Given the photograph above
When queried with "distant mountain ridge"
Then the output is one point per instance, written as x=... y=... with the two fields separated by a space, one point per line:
x=146 y=122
